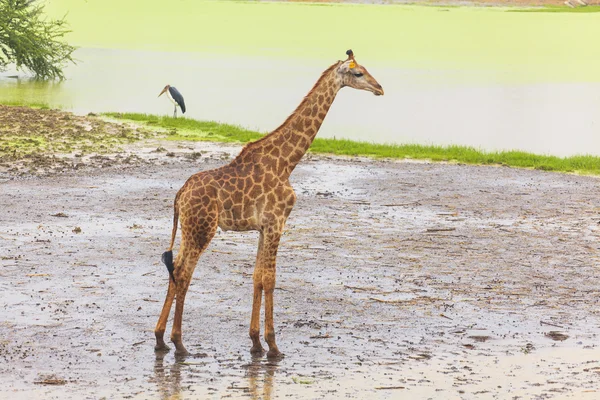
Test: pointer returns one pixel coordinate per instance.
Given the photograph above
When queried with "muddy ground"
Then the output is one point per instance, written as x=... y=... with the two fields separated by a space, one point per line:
x=395 y=280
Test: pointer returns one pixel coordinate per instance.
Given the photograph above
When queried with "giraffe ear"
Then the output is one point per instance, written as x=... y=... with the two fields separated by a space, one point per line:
x=345 y=67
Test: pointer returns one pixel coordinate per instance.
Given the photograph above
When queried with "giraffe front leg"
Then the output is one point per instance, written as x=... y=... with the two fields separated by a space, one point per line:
x=268 y=270
x=269 y=287
x=257 y=348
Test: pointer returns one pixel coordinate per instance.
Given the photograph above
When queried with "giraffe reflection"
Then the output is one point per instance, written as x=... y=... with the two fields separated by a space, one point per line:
x=179 y=379
x=261 y=378
x=251 y=193
x=168 y=382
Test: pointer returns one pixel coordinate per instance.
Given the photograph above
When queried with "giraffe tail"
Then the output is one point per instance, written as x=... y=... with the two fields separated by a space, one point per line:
x=167 y=256
x=167 y=259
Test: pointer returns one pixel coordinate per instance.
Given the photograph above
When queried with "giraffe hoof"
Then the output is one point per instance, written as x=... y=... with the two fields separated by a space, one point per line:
x=161 y=348
x=182 y=353
x=257 y=351
x=275 y=355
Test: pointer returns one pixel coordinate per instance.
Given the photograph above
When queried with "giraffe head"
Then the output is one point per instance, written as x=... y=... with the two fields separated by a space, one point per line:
x=356 y=76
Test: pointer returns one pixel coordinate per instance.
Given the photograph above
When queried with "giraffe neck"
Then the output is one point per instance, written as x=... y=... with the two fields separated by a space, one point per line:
x=286 y=145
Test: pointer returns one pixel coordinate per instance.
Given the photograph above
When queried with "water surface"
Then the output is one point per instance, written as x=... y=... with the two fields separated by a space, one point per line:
x=480 y=77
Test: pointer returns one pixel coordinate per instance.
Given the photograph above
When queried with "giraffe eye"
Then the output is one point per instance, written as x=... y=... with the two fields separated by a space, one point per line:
x=358 y=74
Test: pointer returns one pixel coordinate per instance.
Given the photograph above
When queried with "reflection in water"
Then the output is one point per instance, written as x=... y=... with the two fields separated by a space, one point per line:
x=420 y=106
x=30 y=90
x=173 y=380
x=168 y=382
x=261 y=373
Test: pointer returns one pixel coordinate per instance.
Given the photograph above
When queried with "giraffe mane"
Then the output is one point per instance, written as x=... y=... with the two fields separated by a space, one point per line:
x=321 y=78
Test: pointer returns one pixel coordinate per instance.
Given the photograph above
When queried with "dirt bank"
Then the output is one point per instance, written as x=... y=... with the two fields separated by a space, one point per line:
x=394 y=279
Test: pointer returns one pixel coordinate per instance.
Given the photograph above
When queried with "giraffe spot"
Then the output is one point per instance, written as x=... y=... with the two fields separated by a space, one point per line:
x=303 y=142
x=321 y=99
x=255 y=192
x=228 y=186
x=286 y=150
x=297 y=125
x=322 y=115
x=248 y=212
x=258 y=178
x=237 y=197
x=307 y=123
x=306 y=111
x=315 y=110
x=227 y=204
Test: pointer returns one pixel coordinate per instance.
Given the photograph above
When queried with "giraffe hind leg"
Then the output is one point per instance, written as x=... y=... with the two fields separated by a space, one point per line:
x=161 y=325
x=192 y=246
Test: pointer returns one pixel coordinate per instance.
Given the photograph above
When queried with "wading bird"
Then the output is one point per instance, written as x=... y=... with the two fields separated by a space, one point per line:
x=175 y=97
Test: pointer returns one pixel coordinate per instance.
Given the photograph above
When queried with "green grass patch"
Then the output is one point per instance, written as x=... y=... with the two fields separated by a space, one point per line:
x=193 y=130
x=21 y=103
x=22 y=145
x=302 y=380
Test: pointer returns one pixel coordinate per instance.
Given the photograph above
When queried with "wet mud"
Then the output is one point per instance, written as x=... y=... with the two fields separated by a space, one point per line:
x=395 y=280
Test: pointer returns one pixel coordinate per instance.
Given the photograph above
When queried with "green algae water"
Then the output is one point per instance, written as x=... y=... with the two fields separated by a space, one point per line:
x=483 y=77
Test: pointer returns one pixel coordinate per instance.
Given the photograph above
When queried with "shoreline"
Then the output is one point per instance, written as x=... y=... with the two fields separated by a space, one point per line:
x=72 y=141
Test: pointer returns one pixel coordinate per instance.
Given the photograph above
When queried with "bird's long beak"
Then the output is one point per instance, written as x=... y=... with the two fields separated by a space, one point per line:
x=164 y=90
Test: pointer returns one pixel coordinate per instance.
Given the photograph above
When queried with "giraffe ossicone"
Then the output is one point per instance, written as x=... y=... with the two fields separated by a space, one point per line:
x=252 y=192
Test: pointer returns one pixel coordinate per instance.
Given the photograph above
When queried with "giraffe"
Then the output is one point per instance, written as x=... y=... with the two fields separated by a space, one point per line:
x=252 y=192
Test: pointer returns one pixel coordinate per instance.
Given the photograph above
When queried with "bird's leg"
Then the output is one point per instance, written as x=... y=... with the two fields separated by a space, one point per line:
x=175 y=112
